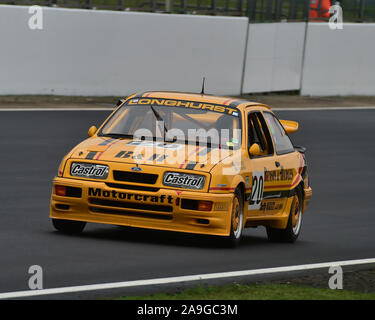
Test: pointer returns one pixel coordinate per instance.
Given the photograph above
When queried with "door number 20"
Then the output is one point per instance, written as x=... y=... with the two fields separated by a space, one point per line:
x=256 y=191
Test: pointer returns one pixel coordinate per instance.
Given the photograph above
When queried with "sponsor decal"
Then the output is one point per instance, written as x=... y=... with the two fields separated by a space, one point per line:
x=100 y=193
x=185 y=104
x=183 y=180
x=162 y=145
x=271 y=206
x=89 y=170
x=128 y=154
x=278 y=175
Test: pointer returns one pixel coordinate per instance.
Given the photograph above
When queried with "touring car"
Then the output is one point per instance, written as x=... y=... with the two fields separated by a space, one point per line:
x=192 y=163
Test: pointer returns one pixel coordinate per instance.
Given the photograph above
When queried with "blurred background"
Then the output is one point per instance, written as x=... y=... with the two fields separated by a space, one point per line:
x=74 y=48
x=256 y=10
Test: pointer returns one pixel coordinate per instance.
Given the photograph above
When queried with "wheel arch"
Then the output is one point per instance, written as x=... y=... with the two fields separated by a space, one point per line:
x=241 y=187
x=239 y=182
x=301 y=185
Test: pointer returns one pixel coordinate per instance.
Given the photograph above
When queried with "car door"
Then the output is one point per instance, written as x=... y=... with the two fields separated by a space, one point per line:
x=288 y=161
x=259 y=169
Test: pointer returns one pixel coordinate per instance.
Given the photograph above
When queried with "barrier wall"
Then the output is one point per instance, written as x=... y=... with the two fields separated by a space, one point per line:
x=88 y=52
x=106 y=53
x=339 y=62
x=274 y=57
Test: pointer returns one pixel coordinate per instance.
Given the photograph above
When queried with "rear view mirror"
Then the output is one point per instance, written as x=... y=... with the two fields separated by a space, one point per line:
x=254 y=150
x=92 y=131
x=289 y=126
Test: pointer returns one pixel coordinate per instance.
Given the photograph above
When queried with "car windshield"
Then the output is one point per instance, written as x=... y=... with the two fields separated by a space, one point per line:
x=181 y=124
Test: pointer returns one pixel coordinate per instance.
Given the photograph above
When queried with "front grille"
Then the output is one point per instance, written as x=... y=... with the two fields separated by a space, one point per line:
x=130 y=205
x=132 y=187
x=132 y=214
x=137 y=177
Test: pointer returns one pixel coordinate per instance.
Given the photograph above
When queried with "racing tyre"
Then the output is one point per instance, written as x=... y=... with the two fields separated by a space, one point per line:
x=237 y=221
x=68 y=226
x=293 y=228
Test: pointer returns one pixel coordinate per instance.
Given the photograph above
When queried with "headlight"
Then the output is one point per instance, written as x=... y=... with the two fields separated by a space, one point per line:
x=183 y=180
x=89 y=170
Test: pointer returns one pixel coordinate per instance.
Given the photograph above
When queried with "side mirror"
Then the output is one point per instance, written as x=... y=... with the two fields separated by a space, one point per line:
x=289 y=126
x=120 y=102
x=92 y=131
x=255 y=150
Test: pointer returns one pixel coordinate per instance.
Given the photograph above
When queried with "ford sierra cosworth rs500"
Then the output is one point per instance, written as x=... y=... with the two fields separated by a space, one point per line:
x=191 y=163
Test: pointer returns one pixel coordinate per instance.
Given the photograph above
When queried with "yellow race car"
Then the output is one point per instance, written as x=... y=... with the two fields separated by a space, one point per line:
x=186 y=162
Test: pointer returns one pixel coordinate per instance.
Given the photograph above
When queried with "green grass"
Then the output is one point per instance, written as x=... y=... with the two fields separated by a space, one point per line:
x=259 y=292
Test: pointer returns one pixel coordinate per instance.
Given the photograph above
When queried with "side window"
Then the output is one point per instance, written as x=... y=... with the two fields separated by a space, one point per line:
x=280 y=138
x=258 y=133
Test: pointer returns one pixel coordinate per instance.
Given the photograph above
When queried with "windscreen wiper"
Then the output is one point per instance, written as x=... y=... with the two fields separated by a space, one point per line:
x=117 y=135
x=160 y=119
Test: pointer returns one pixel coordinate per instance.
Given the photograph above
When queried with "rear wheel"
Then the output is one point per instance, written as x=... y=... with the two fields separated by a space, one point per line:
x=293 y=228
x=237 y=220
x=68 y=226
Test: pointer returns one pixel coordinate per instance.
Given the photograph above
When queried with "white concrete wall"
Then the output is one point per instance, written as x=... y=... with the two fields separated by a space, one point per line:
x=86 y=52
x=339 y=62
x=274 y=57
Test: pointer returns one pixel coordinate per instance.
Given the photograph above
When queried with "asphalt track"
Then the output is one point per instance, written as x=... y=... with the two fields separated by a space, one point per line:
x=339 y=224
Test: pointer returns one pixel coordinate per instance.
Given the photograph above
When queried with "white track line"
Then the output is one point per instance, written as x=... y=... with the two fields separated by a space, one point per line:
x=111 y=109
x=160 y=281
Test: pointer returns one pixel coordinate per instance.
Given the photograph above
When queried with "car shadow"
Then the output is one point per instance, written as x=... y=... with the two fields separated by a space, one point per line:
x=165 y=238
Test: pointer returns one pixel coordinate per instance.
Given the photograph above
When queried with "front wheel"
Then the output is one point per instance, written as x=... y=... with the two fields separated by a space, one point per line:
x=293 y=228
x=68 y=226
x=237 y=220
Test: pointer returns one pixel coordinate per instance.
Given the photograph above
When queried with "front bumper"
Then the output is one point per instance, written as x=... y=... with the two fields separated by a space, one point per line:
x=161 y=209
